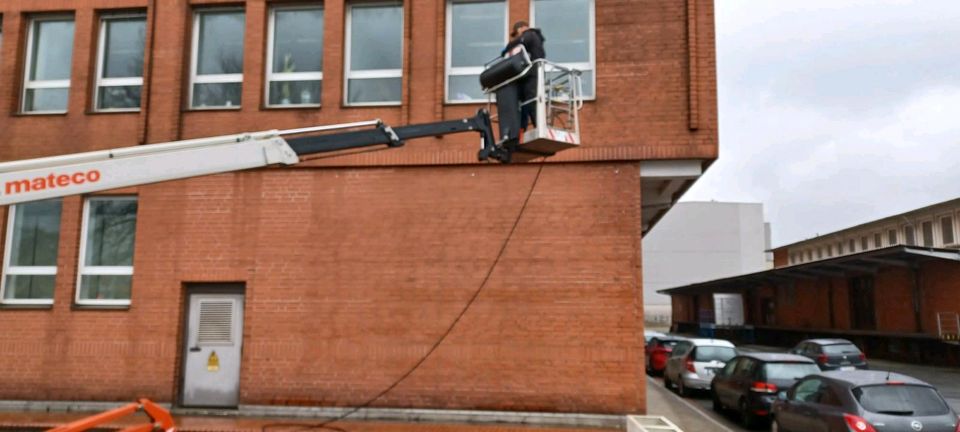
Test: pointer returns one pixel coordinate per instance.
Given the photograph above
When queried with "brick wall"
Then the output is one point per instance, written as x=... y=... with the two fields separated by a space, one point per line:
x=353 y=266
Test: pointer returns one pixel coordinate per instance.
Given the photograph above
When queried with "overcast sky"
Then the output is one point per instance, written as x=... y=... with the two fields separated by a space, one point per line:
x=836 y=112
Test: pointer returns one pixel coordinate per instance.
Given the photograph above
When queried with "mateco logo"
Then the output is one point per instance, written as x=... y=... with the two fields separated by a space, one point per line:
x=52 y=181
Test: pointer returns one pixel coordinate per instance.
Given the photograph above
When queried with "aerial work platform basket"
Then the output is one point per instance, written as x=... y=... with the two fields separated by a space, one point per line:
x=555 y=106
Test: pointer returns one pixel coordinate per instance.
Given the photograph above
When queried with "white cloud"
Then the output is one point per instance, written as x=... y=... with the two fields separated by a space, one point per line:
x=836 y=113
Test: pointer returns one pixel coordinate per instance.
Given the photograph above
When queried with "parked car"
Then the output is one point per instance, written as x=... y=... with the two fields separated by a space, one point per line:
x=693 y=363
x=749 y=383
x=650 y=334
x=658 y=350
x=832 y=354
x=862 y=401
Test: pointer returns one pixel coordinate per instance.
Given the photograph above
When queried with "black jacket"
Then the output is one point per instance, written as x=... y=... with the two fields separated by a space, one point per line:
x=531 y=39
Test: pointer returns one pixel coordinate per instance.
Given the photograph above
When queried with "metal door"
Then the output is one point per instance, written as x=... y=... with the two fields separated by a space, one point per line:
x=214 y=336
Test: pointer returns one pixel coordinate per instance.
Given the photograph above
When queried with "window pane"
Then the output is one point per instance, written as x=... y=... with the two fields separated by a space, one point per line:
x=36 y=234
x=294 y=92
x=465 y=88
x=216 y=95
x=476 y=34
x=52 y=50
x=118 y=97
x=877 y=240
x=123 y=48
x=566 y=27
x=111 y=226
x=376 y=34
x=374 y=90
x=909 y=236
x=221 y=43
x=946 y=227
x=105 y=287
x=298 y=40
x=892 y=237
x=927 y=228
x=22 y=287
x=47 y=99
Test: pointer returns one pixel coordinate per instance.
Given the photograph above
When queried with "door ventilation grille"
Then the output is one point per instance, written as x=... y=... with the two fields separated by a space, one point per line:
x=216 y=319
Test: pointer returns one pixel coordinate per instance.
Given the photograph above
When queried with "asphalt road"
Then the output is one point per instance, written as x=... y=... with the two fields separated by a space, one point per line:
x=947 y=380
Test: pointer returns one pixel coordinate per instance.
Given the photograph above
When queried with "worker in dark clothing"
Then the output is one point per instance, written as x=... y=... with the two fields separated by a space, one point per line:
x=532 y=40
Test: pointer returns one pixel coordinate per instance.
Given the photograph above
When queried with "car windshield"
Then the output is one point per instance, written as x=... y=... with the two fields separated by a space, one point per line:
x=670 y=343
x=907 y=400
x=711 y=353
x=840 y=349
x=788 y=371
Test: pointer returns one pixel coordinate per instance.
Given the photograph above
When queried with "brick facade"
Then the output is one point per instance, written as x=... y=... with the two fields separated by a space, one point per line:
x=353 y=266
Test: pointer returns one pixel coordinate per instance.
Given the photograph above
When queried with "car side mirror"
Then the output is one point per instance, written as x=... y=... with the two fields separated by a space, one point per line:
x=782 y=396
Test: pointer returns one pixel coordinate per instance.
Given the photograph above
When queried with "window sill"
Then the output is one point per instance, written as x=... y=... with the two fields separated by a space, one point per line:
x=373 y=104
x=117 y=111
x=41 y=114
x=291 y=107
x=26 y=306
x=213 y=109
x=113 y=307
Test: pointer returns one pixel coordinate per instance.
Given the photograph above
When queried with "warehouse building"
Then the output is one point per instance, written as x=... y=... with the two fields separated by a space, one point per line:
x=325 y=283
x=889 y=284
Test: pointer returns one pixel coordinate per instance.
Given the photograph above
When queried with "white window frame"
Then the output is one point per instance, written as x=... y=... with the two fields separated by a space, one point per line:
x=113 y=82
x=210 y=78
x=582 y=66
x=449 y=70
x=373 y=73
x=288 y=76
x=9 y=270
x=913 y=229
x=44 y=84
x=85 y=270
x=953 y=226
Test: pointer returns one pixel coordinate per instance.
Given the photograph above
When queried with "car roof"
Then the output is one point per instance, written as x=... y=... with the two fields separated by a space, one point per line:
x=862 y=377
x=777 y=357
x=710 y=342
x=828 y=341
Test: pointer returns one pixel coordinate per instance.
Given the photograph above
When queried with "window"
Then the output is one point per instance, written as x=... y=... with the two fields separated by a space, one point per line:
x=30 y=258
x=877 y=240
x=374 y=54
x=909 y=236
x=295 y=56
x=863 y=243
x=809 y=255
x=946 y=230
x=926 y=229
x=120 y=62
x=892 y=237
x=807 y=391
x=216 y=61
x=106 y=250
x=569 y=26
x=853 y=245
x=472 y=40
x=47 y=73
x=819 y=253
x=840 y=248
x=829 y=251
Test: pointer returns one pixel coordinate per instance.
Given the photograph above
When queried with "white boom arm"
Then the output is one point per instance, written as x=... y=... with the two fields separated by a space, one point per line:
x=58 y=176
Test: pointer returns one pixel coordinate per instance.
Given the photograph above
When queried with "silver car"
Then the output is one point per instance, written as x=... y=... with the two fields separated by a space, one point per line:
x=694 y=362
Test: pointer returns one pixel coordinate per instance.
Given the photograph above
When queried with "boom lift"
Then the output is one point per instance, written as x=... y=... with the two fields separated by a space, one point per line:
x=558 y=101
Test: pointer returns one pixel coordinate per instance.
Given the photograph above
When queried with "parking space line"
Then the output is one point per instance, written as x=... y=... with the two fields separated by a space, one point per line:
x=723 y=428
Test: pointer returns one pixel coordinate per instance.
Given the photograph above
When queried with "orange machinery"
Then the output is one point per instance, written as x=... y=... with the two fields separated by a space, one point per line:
x=160 y=419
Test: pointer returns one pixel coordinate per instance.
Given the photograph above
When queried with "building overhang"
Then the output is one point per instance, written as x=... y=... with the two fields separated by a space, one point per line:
x=662 y=183
x=863 y=263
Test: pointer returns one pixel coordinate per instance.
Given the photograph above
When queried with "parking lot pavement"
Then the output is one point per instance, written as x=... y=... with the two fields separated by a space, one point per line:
x=690 y=414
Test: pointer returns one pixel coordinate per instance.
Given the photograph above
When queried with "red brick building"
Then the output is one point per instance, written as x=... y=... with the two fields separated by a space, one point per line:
x=889 y=284
x=339 y=274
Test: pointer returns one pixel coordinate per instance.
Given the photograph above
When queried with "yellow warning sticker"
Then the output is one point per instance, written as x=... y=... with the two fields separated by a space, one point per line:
x=213 y=363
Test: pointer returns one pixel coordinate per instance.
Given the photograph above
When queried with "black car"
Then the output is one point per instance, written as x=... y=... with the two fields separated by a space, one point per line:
x=749 y=383
x=862 y=401
x=832 y=354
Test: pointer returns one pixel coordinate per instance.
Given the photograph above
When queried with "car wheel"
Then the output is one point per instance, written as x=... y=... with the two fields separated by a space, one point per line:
x=681 y=389
x=748 y=418
x=666 y=382
x=717 y=405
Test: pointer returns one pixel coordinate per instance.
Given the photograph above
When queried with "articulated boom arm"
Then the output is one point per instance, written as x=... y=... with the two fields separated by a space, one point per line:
x=58 y=176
